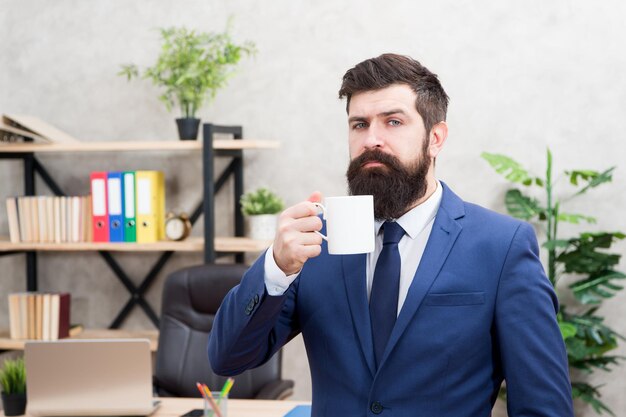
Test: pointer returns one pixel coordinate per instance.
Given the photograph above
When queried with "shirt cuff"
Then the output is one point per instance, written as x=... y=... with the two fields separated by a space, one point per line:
x=276 y=282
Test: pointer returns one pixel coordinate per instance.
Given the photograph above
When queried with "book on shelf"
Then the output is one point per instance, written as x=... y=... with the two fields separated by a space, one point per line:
x=41 y=219
x=32 y=316
x=14 y=221
x=39 y=316
x=47 y=219
x=124 y=206
x=10 y=134
x=34 y=218
x=19 y=127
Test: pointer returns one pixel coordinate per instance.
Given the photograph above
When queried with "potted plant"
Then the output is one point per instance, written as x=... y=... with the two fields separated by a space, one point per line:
x=13 y=381
x=191 y=68
x=583 y=258
x=261 y=208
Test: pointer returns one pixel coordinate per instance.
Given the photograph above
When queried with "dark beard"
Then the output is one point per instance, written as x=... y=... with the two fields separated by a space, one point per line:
x=395 y=187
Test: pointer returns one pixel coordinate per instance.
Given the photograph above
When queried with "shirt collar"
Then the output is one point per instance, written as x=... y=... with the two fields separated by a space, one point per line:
x=416 y=219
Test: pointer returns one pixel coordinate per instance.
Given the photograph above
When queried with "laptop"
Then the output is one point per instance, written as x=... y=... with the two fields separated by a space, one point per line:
x=103 y=377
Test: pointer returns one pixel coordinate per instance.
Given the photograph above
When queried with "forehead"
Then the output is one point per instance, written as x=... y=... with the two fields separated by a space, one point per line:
x=396 y=96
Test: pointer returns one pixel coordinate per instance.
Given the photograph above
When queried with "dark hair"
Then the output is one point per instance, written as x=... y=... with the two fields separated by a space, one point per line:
x=387 y=69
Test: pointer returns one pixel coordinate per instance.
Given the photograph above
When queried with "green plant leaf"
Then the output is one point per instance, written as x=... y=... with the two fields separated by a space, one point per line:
x=586 y=257
x=575 y=218
x=261 y=201
x=554 y=244
x=510 y=169
x=592 y=178
x=586 y=175
x=593 y=289
x=13 y=376
x=595 y=335
x=591 y=396
x=521 y=206
x=567 y=329
x=129 y=71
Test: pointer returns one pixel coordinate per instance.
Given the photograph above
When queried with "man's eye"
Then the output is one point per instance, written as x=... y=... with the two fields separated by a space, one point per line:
x=394 y=122
x=359 y=125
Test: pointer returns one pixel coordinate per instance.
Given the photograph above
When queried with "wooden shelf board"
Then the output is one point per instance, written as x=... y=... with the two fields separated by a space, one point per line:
x=129 y=146
x=193 y=244
x=240 y=244
x=6 y=343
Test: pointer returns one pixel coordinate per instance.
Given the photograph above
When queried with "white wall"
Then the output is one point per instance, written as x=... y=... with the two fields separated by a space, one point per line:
x=522 y=76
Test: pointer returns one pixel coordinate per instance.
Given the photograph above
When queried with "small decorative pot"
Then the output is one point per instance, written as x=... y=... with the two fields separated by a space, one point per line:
x=14 y=404
x=262 y=226
x=188 y=128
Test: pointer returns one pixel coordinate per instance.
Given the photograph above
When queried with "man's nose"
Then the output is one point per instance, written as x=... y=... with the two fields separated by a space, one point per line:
x=374 y=138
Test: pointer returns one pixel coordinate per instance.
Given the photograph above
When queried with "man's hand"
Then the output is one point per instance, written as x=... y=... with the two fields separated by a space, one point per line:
x=296 y=240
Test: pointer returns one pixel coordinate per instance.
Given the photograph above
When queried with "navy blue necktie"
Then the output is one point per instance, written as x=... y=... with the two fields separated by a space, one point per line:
x=385 y=288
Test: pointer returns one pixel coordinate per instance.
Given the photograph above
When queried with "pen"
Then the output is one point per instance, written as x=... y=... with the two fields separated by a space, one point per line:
x=209 y=397
x=227 y=386
x=199 y=386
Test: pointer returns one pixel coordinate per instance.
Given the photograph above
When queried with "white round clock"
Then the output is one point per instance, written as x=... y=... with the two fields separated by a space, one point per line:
x=177 y=226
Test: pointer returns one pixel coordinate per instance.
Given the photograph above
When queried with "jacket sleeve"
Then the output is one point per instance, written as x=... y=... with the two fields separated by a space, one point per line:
x=250 y=325
x=531 y=348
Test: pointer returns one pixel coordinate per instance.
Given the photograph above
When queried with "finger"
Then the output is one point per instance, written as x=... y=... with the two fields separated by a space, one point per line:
x=306 y=224
x=311 y=251
x=311 y=238
x=302 y=209
x=315 y=197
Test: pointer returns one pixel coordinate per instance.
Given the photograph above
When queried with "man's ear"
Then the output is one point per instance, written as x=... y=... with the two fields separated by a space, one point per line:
x=438 y=136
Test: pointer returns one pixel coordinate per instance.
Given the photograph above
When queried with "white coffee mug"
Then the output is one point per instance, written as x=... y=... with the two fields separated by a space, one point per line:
x=349 y=224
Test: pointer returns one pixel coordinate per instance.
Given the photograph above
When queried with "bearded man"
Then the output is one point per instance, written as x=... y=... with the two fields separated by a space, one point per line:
x=468 y=307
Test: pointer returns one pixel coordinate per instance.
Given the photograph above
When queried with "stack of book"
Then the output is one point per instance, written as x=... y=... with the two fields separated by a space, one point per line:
x=39 y=316
x=21 y=127
x=128 y=206
x=49 y=219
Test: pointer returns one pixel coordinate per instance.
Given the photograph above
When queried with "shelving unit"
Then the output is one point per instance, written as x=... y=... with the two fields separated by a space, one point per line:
x=211 y=245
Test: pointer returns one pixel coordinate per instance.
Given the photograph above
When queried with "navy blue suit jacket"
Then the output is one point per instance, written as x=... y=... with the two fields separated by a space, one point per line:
x=480 y=310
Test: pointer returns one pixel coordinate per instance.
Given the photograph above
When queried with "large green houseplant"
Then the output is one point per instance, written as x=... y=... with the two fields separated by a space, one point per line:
x=191 y=67
x=584 y=259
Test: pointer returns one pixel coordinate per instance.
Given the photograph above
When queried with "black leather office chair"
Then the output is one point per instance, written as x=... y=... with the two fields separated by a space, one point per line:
x=191 y=298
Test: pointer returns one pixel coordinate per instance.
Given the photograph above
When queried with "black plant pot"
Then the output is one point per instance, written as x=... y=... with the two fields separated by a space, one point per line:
x=188 y=128
x=14 y=404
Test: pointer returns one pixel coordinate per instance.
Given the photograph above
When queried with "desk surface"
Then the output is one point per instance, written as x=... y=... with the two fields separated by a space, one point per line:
x=175 y=407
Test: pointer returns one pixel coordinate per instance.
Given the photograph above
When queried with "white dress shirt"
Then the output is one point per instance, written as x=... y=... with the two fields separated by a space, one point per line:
x=417 y=223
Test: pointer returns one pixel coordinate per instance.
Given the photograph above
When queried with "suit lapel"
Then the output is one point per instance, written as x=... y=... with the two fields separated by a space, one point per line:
x=354 y=277
x=442 y=237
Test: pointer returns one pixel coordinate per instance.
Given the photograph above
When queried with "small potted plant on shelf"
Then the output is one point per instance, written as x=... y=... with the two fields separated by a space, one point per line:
x=191 y=67
x=13 y=381
x=261 y=207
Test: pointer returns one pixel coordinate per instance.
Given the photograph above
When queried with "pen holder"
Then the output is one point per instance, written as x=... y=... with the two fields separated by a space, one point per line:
x=218 y=400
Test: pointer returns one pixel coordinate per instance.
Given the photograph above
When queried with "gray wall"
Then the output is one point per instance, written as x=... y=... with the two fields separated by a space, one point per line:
x=522 y=76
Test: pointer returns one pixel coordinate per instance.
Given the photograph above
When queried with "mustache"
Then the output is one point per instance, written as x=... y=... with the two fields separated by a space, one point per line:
x=375 y=155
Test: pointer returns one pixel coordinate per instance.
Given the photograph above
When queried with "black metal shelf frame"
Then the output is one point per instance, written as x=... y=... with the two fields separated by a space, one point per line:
x=205 y=207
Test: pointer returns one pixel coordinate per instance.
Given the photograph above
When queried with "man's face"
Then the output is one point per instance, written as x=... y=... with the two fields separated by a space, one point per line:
x=386 y=119
x=389 y=150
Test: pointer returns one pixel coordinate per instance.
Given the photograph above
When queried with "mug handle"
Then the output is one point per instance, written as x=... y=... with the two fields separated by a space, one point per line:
x=321 y=206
